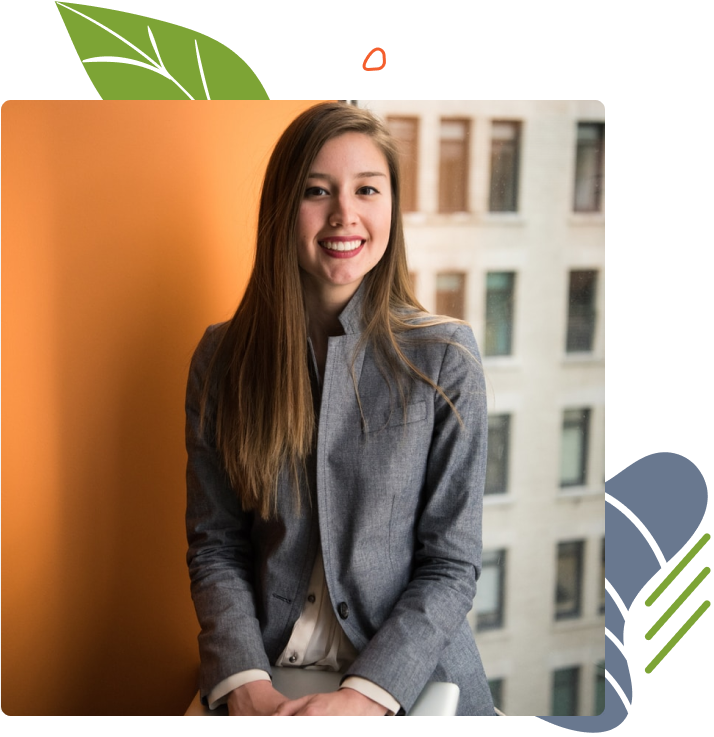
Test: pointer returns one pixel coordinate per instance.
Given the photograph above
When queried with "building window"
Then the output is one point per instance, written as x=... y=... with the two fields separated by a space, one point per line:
x=497 y=463
x=574 y=450
x=406 y=133
x=505 y=145
x=496 y=687
x=566 y=682
x=581 y=311
x=569 y=574
x=589 y=158
x=601 y=607
x=599 y=688
x=499 y=313
x=453 y=165
x=451 y=295
x=489 y=597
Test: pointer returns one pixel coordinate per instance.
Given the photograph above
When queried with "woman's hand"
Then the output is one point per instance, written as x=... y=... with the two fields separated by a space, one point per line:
x=254 y=699
x=345 y=702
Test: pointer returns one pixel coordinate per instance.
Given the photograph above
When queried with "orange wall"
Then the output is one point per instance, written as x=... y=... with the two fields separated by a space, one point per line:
x=127 y=228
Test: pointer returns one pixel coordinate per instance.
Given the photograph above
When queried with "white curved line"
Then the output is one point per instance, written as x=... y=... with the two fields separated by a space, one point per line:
x=616 y=598
x=161 y=69
x=200 y=67
x=153 y=43
x=122 y=60
x=640 y=526
x=617 y=688
x=109 y=30
x=615 y=641
x=133 y=62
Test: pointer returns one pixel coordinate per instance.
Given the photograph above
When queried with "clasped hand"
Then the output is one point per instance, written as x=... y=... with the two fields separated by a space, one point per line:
x=259 y=698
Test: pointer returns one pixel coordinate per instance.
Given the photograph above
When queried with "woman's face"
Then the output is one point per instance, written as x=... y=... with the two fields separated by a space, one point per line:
x=345 y=216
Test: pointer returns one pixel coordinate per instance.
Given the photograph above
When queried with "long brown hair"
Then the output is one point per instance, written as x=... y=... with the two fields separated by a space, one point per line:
x=264 y=418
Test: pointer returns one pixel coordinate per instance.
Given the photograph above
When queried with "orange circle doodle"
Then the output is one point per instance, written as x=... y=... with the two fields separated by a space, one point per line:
x=367 y=58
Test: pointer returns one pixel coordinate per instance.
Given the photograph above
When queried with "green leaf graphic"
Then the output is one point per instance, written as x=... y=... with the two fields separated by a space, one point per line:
x=129 y=57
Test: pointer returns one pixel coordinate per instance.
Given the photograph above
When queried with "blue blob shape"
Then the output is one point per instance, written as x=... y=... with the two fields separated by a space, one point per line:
x=669 y=496
x=629 y=560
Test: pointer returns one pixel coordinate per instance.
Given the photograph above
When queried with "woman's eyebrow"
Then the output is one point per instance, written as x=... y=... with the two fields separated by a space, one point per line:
x=360 y=175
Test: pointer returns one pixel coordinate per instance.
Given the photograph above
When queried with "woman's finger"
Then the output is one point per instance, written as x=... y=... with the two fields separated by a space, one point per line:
x=290 y=708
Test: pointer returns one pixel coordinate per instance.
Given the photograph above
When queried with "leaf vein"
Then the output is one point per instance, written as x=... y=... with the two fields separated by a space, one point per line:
x=153 y=66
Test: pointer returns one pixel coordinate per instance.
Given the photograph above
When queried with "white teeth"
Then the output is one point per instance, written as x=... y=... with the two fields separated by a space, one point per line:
x=341 y=245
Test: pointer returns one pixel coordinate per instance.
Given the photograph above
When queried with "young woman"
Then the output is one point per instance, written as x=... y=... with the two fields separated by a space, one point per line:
x=336 y=438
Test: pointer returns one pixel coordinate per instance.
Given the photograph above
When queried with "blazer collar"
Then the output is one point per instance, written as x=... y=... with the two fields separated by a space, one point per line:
x=351 y=316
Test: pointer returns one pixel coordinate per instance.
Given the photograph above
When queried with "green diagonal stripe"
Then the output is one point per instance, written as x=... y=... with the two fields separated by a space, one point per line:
x=683 y=631
x=680 y=567
x=680 y=600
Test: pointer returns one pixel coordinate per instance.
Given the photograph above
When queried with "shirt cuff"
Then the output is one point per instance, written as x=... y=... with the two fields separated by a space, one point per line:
x=374 y=692
x=219 y=695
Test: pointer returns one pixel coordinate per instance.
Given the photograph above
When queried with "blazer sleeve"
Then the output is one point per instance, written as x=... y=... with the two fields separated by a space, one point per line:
x=406 y=649
x=220 y=553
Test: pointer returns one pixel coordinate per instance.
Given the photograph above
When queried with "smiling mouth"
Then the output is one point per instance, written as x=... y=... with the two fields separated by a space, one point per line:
x=341 y=246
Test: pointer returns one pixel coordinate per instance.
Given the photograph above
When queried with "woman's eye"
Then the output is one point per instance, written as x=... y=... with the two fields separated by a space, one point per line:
x=367 y=190
x=315 y=192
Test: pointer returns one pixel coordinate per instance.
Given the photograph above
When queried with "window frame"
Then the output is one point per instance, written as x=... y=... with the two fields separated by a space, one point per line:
x=500 y=181
x=583 y=423
x=573 y=685
x=494 y=620
x=443 y=296
x=503 y=462
x=576 y=609
x=497 y=688
x=446 y=200
x=490 y=328
x=408 y=152
x=600 y=680
x=582 y=149
x=588 y=310
x=603 y=597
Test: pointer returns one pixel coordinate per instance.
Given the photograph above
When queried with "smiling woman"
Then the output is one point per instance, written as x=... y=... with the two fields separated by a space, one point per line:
x=343 y=226
x=344 y=220
x=336 y=438
x=346 y=215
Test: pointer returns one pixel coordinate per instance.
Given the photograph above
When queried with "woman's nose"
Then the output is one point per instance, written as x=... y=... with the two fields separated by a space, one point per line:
x=344 y=212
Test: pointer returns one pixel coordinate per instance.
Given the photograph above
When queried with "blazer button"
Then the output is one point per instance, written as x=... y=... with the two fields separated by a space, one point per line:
x=311 y=598
x=292 y=658
x=343 y=610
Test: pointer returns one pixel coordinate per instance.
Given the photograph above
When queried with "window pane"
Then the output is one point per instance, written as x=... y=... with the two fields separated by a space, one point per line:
x=497 y=464
x=496 y=687
x=565 y=692
x=499 y=313
x=569 y=580
x=572 y=455
x=600 y=688
x=589 y=167
x=505 y=140
x=451 y=295
x=601 y=608
x=453 y=166
x=574 y=447
x=453 y=130
x=406 y=132
x=489 y=596
x=488 y=591
x=581 y=311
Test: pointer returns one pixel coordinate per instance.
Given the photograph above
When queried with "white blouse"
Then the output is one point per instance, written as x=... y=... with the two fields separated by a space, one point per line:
x=317 y=641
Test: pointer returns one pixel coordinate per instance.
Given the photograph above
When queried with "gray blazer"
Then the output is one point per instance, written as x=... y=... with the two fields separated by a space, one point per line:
x=396 y=506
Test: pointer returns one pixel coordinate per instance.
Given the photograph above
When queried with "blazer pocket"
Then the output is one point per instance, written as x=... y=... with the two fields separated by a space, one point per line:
x=380 y=420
